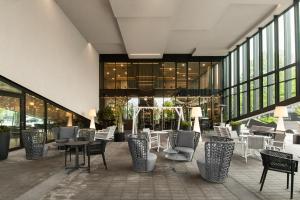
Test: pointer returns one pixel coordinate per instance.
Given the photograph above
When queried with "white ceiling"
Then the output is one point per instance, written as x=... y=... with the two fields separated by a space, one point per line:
x=201 y=27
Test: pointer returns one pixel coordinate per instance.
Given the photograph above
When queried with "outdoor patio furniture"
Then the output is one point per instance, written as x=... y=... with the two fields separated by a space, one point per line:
x=217 y=130
x=67 y=132
x=278 y=142
x=225 y=132
x=185 y=142
x=97 y=148
x=86 y=134
x=214 y=165
x=142 y=159
x=280 y=162
x=106 y=134
x=153 y=139
x=34 y=143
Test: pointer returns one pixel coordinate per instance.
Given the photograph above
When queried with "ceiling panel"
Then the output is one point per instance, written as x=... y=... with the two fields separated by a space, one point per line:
x=205 y=27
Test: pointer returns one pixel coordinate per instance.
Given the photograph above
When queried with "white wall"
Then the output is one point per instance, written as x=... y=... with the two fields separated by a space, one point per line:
x=42 y=50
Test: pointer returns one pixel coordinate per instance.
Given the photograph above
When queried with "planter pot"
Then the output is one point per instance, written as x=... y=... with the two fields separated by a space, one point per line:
x=4 y=145
x=119 y=137
x=236 y=128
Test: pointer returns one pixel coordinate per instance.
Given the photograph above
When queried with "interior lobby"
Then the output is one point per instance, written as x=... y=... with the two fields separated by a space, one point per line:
x=149 y=99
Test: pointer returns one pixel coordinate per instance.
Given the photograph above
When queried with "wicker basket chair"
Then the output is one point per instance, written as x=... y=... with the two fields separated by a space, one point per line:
x=86 y=134
x=218 y=153
x=34 y=143
x=188 y=148
x=142 y=159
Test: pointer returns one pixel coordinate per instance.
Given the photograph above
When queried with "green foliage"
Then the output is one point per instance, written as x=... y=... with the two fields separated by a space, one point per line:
x=235 y=123
x=297 y=110
x=106 y=115
x=169 y=114
x=4 y=129
x=268 y=120
x=185 y=125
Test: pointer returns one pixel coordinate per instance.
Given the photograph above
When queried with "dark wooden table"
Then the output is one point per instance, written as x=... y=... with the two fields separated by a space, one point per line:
x=75 y=145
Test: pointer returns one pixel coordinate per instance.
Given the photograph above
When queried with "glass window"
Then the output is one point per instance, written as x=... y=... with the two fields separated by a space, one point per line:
x=8 y=88
x=254 y=56
x=217 y=75
x=56 y=117
x=181 y=75
x=243 y=99
x=132 y=71
x=269 y=90
x=132 y=103
x=286 y=37
x=145 y=77
x=226 y=72
x=193 y=73
x=121 y=75
x=234 y=102
x=169 y=75
x=226 y=102
x=109 y=75
x=243 y=62
x=233 y=57
x=158 y=74
x=10 y=116
x=268 y=51
x=205 y=75
x=35 y=113
x=287 y=83
x=254 y=95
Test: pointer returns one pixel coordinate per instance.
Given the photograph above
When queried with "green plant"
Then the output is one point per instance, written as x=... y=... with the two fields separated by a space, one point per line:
x=185 y=125
x=168 y=114
x=297 y=110
x=4 y=129
x=268 y=120
x=106 y=115
x=235 y=123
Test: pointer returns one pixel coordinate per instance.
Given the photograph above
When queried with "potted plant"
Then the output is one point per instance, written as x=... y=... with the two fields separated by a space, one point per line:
x=119 y=135
x=105 y=117
x=4 y=142
x=185 y=125
x=236 y=126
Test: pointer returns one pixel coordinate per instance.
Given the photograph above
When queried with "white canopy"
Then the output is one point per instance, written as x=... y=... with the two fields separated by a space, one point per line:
x=137 y=110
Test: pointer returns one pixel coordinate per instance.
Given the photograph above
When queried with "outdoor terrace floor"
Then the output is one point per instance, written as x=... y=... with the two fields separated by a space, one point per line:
x=47 y=179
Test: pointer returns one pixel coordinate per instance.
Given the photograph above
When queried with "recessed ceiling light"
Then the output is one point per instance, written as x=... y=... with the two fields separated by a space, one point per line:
x=112 y=78
x=107 y=73
x=144 y=54
x=122 y=65
x=203 y=64
x=173 y=78
x=170 y=69
x=118 y=75
x=125 y=72
x=182 y=64
x=177 y=72
x=114 y=69
x=190 y=69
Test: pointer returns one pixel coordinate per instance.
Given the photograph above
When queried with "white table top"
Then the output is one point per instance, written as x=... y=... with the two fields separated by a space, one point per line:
x=159 y=132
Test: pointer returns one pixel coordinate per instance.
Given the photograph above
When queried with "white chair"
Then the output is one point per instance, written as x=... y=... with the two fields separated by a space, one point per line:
x=106 y=134
x=251 y=146
x=225 y=132
x=244 y=130
x=277 y=144
x=153 y=139
x=217 y=130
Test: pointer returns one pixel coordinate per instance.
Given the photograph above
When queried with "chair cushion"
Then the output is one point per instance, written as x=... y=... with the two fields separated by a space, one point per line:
x=201 y=167
x=151 y=161
x=184 y=149
x=67 y=133
x=185 y=139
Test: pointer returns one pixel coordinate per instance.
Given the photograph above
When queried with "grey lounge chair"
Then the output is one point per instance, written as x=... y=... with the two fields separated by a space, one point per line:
x=214 y=165
x=34 y=143
x=142 y=159
x=185 y=142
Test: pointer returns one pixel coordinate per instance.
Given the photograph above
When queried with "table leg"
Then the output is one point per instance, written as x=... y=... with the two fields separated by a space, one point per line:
x=77 y=157
x=158 y=138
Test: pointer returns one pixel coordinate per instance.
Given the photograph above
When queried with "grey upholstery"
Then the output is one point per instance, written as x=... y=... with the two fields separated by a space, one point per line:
x=34 y=143
x=142 y=159
x=67 y=132
x=214 y=165
x=261 y=128
x=185 y=142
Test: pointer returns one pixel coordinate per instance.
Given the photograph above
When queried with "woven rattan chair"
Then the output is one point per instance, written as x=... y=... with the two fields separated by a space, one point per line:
x=180 y=141
x=34 y=143
x=86 y=134
x=280 y=162
x=215 y=165
x=142 y=159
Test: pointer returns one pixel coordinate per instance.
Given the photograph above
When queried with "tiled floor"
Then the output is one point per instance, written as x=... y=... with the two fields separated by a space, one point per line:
x=47 y=180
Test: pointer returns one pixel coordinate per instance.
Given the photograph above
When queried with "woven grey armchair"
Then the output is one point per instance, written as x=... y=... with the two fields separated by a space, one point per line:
x=34 y=143
x=86 y=134
x=185 y=142
x=142 y=159
x=218 y=153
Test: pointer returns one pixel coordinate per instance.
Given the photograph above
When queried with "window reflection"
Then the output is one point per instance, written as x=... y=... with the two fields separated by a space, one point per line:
x=181 y=75
x=193 y=75
x=35 y=113
x=169 y=72
x=109 y=75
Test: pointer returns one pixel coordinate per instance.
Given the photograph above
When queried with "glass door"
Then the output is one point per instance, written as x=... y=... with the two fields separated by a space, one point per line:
x=10 y=116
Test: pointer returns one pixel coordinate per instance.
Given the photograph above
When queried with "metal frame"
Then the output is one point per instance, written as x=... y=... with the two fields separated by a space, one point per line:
x=261 y=75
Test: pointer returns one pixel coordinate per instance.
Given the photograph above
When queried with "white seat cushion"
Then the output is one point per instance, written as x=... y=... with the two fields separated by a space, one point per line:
x=151 y=160
x=188 y=152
